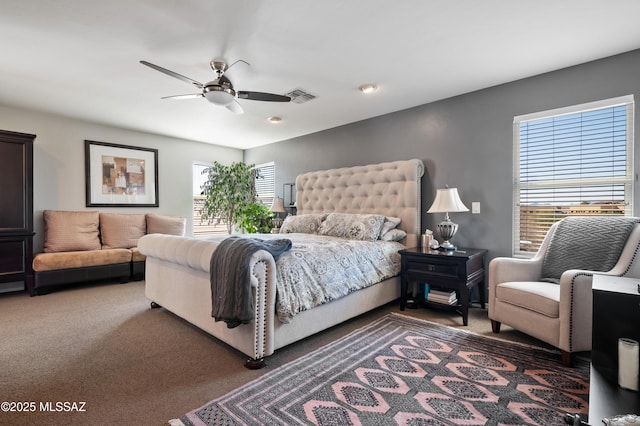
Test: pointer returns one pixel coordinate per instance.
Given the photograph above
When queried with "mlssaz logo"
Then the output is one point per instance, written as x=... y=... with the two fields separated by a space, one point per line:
x=63 y=406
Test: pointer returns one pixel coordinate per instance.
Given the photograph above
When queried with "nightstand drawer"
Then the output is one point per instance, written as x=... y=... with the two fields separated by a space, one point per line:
x=452 y=270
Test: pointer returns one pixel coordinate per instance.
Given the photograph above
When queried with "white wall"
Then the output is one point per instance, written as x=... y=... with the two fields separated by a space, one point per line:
x=59 y=175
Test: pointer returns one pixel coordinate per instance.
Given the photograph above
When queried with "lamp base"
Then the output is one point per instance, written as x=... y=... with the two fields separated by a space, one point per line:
x=447 y=231
x=447 y=246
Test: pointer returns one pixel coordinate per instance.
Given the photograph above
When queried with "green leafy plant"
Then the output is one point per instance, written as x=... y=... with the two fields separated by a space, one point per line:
x=255 y=218
x=228 y=191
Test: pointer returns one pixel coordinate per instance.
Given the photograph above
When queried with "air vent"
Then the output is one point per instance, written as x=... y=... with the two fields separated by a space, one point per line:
x=299 y=96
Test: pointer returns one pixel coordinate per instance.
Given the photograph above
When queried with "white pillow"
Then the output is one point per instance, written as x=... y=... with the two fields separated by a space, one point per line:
x=390 y=223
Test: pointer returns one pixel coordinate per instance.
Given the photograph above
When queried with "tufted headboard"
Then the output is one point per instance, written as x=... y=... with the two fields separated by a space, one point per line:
x=391 y=189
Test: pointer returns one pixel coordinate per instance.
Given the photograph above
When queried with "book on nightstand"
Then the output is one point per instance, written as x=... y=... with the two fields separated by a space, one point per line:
x=445 y=297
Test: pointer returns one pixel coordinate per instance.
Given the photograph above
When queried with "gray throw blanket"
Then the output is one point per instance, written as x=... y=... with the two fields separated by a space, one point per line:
x=592 y=243
x=231 y=296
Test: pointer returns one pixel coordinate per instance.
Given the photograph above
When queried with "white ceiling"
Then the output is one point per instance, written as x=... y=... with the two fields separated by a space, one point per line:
x=80 y=58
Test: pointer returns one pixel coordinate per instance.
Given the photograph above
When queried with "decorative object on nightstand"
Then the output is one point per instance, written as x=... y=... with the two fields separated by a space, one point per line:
x=447 y=200
x=277 y=207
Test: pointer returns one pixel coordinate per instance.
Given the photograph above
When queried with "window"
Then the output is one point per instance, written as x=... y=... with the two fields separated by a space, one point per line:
x=571 y=161
x=265 y=183
x=202 y=228
x=265 y=190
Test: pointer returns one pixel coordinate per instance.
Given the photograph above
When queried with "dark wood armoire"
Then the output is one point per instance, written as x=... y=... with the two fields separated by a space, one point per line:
x=16 y=211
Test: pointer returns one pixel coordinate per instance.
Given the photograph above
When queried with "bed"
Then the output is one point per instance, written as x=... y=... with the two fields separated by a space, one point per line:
x=178 y=276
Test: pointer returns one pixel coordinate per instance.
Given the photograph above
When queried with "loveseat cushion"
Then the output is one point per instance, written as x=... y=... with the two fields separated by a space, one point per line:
x=121 y=230
x=79 y=259
x=170 y=225
x=70 y=231
x=136 y=256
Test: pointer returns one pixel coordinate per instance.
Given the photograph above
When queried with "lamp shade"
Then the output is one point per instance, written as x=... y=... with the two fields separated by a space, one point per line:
x=447 y=200
x=278 y=205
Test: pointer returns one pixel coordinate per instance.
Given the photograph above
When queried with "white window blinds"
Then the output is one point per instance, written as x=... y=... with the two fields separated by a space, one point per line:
x=265 y=183
x=572 y=161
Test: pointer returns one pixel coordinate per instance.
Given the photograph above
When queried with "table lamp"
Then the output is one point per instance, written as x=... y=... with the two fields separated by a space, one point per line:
x=277 y=207
x=447 y=200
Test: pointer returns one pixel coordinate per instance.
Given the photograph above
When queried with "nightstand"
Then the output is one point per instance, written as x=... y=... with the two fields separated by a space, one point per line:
x=458 y=270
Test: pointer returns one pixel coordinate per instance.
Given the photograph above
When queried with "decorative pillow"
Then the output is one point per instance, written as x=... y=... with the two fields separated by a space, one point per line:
x=171 y=225
x=394 y=235
x=302 y=223
x=390 y=223
x=121 y=230
x=576 y=242
x=70 y=231
x=364 y=227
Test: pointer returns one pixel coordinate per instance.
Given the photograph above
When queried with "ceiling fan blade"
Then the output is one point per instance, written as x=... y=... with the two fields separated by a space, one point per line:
x=261 y=96
x=235 y=107
x=173 y=74
x=191 y=96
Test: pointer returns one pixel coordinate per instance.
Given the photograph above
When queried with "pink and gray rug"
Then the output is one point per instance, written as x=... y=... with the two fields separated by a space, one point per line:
x=405 y=371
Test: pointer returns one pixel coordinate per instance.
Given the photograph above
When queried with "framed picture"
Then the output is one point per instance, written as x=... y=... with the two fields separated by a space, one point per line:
x=120 y=175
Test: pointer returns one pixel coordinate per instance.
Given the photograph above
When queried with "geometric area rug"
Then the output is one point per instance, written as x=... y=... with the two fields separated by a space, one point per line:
x=400 y=370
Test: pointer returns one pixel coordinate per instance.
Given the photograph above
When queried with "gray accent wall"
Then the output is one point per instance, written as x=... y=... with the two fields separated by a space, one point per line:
x=465 y=142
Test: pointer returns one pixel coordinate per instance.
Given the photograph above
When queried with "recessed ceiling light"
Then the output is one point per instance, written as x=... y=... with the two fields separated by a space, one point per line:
x=274 y=119
x=368 y=88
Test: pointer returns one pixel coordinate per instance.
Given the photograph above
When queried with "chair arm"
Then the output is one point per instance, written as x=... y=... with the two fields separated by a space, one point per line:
x=576 y=310
x=505 y=269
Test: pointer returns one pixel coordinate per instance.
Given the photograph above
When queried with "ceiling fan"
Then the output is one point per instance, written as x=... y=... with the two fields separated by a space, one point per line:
x=219 y=91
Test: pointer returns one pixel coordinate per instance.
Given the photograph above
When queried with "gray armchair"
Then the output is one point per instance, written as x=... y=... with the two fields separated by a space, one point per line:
x=549 y=296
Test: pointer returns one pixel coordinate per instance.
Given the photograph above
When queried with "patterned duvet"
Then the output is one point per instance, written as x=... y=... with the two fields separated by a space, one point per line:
x=319 y=269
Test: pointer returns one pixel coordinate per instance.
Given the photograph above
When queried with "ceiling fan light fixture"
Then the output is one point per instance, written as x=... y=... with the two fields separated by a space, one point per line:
x=368 y=88
x=219 y=95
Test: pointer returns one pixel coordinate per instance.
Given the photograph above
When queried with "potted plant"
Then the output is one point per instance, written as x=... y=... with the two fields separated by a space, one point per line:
x=228 y=191
x=255 y=218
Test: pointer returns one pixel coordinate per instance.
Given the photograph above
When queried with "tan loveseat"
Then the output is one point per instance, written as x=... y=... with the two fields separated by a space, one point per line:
x=82 y=246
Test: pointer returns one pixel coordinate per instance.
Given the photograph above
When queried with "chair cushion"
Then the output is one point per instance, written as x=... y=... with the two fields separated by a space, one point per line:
x=541 y=297
x=577 y=244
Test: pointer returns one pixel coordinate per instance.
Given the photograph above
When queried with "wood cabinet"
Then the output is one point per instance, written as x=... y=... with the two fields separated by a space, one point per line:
x=16 y=211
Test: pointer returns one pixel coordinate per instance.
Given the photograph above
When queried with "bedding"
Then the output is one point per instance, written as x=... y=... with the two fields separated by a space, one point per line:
x=319 y=269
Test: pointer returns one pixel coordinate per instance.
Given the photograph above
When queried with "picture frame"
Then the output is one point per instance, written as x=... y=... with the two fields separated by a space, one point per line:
x=120 y=175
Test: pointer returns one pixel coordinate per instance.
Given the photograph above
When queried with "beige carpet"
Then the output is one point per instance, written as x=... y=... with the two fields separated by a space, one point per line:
x=103 y=346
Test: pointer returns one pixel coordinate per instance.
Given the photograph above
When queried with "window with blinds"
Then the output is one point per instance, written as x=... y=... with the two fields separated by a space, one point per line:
x=265 y=192
x=265 y=183
x=571 y=161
